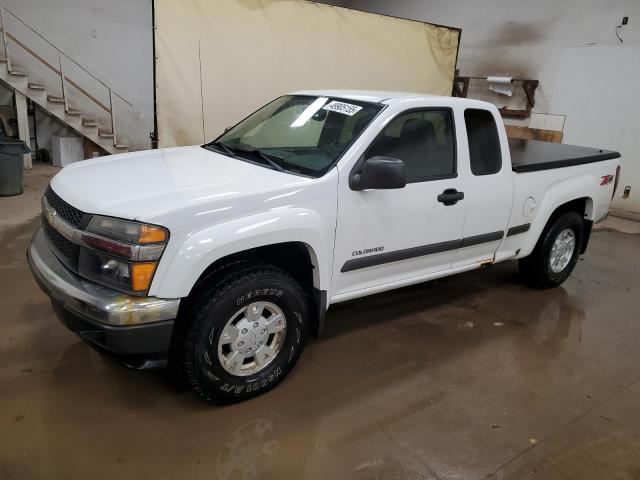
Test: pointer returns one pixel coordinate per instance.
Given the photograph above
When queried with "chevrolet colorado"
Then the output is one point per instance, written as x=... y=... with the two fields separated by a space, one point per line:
x=221 y=260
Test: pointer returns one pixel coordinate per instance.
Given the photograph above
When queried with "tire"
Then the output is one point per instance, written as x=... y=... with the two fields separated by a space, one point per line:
x=198 y=341
x=536 y=269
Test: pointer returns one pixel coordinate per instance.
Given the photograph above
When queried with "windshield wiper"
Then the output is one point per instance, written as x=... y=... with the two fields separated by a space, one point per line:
x=265 y=157
x=221 y=145
x=270 y=158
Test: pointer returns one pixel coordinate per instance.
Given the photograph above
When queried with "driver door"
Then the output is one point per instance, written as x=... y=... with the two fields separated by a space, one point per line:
x=389 y=236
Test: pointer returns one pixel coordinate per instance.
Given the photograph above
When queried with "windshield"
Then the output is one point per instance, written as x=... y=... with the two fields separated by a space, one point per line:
x=298 y=133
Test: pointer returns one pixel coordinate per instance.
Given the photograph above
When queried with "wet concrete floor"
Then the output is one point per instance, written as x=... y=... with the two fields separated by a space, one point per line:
x=474 y=376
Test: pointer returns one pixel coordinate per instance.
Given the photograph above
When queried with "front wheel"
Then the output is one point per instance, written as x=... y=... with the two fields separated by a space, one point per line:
x=245 y=334
x=556 y=253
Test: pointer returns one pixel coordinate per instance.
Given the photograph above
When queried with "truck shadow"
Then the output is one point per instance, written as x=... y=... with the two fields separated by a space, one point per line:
x=494 y=294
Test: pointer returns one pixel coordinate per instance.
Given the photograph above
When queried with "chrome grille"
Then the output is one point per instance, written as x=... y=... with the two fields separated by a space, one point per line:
x=64 y=246
x=66 y=251
x=67 y=212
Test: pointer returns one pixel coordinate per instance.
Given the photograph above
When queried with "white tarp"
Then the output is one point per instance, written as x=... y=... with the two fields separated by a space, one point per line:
x=217 y=61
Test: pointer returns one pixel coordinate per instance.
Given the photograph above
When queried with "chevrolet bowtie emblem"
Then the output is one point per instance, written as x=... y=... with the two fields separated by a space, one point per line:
x=50 y=216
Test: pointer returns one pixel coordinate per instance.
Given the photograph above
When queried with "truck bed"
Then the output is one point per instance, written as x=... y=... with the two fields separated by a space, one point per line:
x=534 y=155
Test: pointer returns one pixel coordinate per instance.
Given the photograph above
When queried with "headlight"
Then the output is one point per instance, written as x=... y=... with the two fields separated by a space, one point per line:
x=122 y=254
x=131 y=277
x=127 y=231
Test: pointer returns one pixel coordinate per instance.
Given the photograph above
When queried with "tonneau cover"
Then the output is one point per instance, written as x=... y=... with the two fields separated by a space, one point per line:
x=533 y=155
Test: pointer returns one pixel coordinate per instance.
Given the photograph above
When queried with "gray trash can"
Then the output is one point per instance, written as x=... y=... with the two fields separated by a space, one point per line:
x=11 y=166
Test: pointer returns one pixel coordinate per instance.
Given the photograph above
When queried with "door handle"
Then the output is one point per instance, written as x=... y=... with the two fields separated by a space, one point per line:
x=450 y=196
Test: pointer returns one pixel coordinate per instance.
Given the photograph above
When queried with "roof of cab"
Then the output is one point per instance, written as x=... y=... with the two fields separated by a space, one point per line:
x=390 y=97
x=378 y=96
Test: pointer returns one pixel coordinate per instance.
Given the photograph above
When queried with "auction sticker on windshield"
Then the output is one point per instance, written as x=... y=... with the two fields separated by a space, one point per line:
x=341 y=107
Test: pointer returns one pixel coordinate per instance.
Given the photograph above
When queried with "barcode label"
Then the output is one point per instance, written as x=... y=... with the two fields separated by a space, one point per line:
x=344 y=108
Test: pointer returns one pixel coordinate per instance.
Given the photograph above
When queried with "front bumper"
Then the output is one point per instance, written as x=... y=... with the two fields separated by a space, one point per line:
x=126 y=326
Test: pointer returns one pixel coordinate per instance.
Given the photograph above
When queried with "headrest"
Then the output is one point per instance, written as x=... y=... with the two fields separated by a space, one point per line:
x=418 y=129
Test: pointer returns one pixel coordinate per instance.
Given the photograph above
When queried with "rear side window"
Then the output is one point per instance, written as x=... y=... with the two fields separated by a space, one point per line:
x=484 y=145
x=424 y=140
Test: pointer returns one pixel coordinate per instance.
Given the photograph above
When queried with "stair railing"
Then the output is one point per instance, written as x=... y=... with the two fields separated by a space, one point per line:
x=58 y=70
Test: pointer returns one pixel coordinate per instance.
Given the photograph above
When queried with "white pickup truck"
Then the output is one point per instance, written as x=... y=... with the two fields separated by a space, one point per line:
x=222 y=259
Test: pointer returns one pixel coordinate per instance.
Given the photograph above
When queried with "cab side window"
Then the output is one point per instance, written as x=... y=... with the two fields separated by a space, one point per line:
x=485 y=154
x=424 y=140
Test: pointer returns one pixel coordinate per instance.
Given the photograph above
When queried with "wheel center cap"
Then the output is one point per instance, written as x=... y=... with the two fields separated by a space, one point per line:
x=251 y=336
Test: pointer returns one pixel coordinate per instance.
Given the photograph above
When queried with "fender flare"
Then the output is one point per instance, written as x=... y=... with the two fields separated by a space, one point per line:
x=189 y=259
x=549 y=207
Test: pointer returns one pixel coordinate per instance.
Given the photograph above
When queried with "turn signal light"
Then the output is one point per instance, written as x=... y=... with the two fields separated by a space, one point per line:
x=151 y=234
x=141 y=275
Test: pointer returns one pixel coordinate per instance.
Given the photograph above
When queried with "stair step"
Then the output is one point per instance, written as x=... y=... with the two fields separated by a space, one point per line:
x=89 y=122
x=86 y=122
x=36 y=86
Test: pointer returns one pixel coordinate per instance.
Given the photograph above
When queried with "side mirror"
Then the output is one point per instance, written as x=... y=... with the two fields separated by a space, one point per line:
x=379 y=173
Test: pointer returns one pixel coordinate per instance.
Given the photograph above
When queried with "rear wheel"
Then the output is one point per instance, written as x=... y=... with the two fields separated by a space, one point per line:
x=244 y=335
x=556 y=253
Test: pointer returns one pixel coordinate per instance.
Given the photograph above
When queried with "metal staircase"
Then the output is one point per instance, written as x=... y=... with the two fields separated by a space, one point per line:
x=51 y=85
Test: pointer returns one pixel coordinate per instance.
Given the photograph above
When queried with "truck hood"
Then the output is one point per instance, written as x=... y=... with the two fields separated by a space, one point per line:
x=143 y=185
